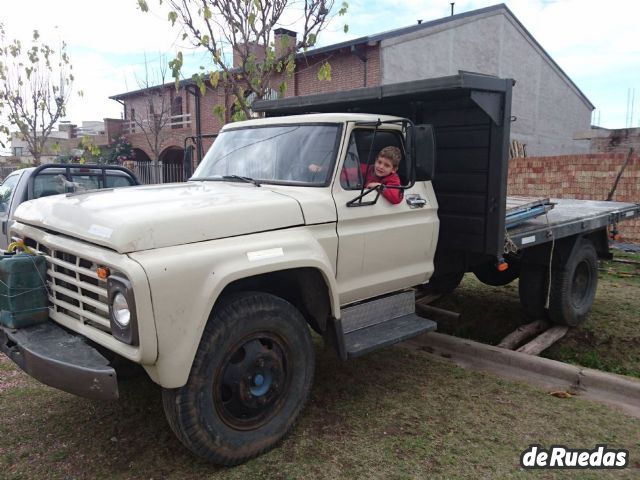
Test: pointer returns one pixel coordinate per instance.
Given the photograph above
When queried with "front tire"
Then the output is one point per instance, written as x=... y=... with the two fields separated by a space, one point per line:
x=249 y=381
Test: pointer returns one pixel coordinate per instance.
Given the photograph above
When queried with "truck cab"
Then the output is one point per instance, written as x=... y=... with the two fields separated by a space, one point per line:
x=377 y=247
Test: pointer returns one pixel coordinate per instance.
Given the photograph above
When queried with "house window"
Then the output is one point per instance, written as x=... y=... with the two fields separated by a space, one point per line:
x=17 y=151
x=176 y=111
x=176 y=106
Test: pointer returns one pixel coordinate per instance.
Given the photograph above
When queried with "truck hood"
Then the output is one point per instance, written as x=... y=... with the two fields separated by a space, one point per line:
x=155 y=216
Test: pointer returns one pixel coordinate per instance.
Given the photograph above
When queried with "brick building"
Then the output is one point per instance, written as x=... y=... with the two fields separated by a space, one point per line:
x=548 y=107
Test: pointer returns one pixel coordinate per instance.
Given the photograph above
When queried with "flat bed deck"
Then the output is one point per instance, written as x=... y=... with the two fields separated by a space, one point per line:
x=570 y=217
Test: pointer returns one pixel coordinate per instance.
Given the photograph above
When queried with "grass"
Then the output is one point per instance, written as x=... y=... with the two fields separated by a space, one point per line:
x=392 y=414
x=609 y=340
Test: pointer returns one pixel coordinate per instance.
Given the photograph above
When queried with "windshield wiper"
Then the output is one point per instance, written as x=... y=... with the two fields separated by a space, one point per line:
x=244 y=179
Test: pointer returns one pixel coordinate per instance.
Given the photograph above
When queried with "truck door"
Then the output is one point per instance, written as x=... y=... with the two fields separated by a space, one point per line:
x=381 y=247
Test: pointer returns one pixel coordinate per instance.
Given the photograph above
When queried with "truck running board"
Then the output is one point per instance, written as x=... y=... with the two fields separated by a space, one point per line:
x=379 y=323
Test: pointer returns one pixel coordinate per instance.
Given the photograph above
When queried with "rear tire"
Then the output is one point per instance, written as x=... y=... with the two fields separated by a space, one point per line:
x=574 y=285
x=250 y=379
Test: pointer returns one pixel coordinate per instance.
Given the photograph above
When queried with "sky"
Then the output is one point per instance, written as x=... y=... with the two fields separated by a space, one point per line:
x=109 y=42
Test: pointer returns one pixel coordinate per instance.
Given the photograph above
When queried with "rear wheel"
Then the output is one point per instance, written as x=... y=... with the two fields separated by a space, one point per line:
x=249 y=381
x=573 y=287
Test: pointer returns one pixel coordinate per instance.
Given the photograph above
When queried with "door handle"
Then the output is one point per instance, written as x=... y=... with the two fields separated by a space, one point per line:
x=415 y=201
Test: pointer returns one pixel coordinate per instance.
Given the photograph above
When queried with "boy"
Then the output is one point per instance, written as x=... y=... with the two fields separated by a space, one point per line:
x=383 y=172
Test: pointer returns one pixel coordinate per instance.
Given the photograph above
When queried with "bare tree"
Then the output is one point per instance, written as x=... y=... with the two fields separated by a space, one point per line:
x=35 y=84
x=153 y=111
x=245 y=28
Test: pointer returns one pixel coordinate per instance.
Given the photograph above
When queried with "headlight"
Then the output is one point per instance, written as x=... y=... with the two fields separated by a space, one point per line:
x=121 y=312
x=122 y=309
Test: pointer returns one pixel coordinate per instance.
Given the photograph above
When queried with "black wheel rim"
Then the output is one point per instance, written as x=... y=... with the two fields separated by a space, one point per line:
x=253 y=381
x=581 y=284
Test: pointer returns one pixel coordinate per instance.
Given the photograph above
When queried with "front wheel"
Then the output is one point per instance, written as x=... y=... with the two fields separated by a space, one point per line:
x=249 y=381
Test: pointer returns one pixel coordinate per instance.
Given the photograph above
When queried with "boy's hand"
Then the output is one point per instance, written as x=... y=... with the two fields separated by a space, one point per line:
x=374 y=184
x=314 y=168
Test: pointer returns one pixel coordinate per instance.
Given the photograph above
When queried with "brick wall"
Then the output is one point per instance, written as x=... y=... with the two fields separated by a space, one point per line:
x=588 y=176
x=347 y=71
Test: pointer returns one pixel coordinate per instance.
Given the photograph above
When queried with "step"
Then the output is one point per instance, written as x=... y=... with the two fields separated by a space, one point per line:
x=377 y=311
x=387 y=333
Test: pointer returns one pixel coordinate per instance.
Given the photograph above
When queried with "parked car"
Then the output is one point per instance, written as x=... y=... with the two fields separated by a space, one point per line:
x=55 y=179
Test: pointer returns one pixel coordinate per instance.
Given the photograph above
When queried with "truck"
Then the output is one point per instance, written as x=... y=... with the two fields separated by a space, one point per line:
x=53 y=179
x=214 y=286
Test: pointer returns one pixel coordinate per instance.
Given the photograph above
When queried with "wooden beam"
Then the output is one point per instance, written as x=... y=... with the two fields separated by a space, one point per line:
x=522 y=333
x=544 y=340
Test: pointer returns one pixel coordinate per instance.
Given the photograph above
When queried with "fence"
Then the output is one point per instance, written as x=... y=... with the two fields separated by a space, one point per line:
x=174 y=121
x=150 y=172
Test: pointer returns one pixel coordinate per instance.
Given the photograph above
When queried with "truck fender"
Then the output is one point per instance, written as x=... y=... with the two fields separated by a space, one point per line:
x=198 y=274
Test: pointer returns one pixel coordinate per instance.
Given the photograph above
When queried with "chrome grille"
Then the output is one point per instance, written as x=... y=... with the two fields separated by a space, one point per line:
x=74 y=287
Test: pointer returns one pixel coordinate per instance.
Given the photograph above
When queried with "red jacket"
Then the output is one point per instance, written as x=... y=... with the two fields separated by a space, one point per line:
x=394 y=195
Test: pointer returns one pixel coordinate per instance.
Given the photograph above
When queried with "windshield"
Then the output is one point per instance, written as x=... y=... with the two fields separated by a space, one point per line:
x=5 y=191
x=273 y=154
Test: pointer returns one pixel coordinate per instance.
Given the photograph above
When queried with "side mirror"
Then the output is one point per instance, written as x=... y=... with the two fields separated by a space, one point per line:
x=425 y=152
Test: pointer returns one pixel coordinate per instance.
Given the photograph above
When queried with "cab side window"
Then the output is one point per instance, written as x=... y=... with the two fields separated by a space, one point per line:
x=46 y=185
x=363 y=148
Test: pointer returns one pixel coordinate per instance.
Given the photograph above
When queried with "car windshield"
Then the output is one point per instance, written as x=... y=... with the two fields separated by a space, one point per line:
x=273 y=154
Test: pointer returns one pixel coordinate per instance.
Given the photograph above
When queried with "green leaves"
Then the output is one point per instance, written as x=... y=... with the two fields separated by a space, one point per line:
x=172 y=16
x=175 y=66
x=311 y=40
x=343 y=9
x=324 y=73
x=214 y=78
x=218 y=111
x=142 y=5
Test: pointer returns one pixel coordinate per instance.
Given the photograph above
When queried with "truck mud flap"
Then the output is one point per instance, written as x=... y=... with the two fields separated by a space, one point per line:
x=60 y=359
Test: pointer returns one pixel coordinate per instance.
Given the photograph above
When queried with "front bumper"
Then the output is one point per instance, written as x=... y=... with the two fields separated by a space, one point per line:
x=60 y=359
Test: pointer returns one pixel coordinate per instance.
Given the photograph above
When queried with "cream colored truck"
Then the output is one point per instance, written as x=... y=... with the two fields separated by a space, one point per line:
x=212 y=285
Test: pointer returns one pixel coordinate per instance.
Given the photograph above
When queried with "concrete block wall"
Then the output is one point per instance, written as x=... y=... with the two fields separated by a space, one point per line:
x=587 y=176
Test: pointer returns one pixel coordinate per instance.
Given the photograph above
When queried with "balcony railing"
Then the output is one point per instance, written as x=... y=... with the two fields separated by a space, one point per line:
x=174 y=122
